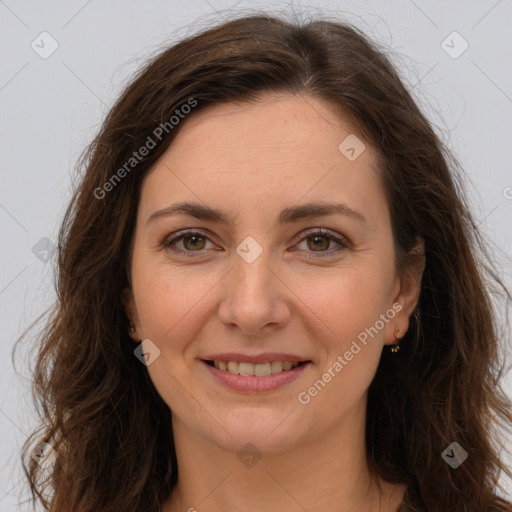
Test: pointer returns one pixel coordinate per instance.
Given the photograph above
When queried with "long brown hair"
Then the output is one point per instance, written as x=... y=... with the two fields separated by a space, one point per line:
x=110 y=429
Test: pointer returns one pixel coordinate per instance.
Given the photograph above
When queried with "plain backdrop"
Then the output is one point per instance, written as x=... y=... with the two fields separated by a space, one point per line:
x=64 y=63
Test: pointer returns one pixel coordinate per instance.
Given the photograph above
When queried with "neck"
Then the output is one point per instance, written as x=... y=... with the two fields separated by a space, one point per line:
x=328 y=473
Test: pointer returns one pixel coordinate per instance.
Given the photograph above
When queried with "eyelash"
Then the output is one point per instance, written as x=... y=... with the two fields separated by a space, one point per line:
x=168 y=244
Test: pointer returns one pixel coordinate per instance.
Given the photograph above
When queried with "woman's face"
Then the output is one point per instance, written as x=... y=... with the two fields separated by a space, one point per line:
x=257 y=283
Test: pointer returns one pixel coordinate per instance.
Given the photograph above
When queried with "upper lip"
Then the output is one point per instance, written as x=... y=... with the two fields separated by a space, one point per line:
x=266 y=357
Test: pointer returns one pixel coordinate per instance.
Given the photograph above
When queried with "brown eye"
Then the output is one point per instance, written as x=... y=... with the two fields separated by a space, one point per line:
x=317 y=240
x=320 y=242
x=194 y=242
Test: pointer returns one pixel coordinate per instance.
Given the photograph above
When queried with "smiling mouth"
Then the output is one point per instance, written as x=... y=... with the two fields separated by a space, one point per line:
x=255 y=369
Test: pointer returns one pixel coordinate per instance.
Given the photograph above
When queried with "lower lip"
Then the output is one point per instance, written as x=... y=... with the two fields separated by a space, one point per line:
x=253 y=383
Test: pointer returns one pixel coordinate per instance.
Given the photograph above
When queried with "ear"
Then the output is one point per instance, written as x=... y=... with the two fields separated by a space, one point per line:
x=131 y=312
x=409 y=288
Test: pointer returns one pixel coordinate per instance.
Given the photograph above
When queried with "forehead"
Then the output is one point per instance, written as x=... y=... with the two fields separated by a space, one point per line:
x=282 y=149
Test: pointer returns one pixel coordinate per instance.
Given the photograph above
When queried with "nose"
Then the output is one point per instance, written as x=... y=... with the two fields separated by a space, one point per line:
x=255 y=297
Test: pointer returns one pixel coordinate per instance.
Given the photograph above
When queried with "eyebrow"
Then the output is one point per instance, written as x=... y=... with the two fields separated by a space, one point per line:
x=287 y=216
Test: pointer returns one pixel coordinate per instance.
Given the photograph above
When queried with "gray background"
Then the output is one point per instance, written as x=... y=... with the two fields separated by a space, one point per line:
x=51 y=108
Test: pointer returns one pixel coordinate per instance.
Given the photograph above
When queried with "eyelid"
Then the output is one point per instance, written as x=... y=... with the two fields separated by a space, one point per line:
x=323 y=231
x=184 y=232
x=340 y=240
x=343 y=243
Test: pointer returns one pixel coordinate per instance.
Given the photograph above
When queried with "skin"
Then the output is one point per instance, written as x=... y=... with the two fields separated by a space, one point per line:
x=252 y=160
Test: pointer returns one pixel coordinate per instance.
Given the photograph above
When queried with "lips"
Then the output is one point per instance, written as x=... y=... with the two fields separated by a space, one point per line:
x=265 y=372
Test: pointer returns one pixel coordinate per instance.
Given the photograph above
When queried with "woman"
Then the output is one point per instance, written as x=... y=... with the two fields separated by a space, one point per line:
x=269 y=217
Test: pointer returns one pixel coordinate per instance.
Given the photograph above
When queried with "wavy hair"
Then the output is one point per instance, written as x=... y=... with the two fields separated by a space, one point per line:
x=110 y=429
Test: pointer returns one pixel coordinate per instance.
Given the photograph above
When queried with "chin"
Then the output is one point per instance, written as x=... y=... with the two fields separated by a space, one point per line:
x=268 y=433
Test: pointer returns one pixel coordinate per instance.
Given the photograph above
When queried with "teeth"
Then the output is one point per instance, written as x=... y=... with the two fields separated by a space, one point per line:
x=245 y=369
x=233 y=367
x=276 y=367
x=258 y=369
x=262 y=369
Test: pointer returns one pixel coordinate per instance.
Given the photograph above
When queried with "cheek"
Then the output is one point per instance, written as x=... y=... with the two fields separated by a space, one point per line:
x=346 y=314
x=171 y=307
x=170 y=302
x=347 y=301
